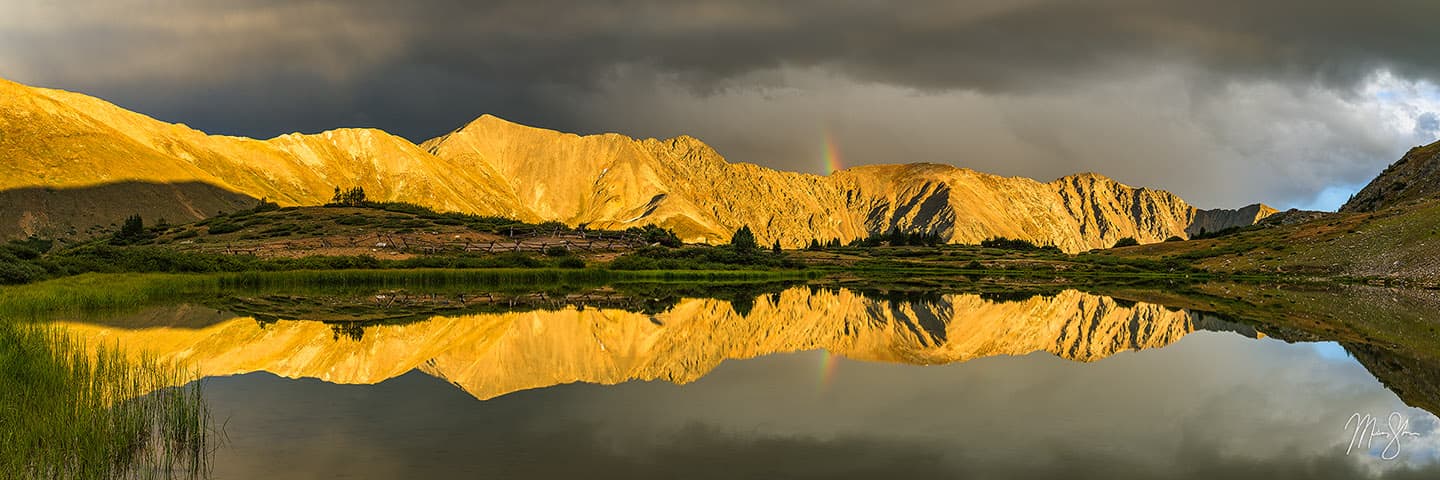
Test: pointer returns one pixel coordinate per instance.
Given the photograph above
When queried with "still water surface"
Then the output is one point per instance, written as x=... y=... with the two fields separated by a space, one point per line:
x=801 y=383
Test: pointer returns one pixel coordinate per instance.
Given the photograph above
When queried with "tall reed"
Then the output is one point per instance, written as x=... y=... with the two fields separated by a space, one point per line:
x=94 y=292
x=72 y=410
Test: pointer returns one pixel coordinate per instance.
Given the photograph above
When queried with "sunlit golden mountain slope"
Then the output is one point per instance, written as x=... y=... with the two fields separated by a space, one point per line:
x=489 y=355
x=53 y=140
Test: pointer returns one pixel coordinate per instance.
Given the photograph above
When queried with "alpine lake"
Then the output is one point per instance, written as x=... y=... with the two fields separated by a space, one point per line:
x=700 y=377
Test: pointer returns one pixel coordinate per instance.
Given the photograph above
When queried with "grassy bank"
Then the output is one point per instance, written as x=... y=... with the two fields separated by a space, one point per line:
x=65 y=413
x=92 y=293
x=484 y=278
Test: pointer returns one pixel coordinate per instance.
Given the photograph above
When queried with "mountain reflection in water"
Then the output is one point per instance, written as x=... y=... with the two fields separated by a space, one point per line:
x=494 y=354
x=800 y=383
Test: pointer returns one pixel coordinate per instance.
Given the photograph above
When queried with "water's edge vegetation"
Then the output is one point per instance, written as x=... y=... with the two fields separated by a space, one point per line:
x=95 y=292
x=72 y=410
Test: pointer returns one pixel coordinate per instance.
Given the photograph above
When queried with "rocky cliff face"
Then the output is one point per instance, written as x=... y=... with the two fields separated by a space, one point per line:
x=1416 y=176
x=1220 y=219
x=490 y=355
x=614 y=181
x=53 y=139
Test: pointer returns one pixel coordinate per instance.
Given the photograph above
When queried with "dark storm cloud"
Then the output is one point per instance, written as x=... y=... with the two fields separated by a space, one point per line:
x=420 y=68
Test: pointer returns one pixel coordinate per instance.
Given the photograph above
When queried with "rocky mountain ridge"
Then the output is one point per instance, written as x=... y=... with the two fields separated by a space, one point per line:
x=56 y=140
x=490 y=355
x=1415 y=177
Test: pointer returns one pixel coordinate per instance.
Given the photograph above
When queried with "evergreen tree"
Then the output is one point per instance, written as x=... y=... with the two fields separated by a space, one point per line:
x=744 y=240
x=353 y=197
x=132 y=230
x=356 y=197
x=776 y=247
x=134 y=227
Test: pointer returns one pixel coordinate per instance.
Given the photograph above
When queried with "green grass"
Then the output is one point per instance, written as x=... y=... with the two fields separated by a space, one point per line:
x=93 y=293
x=490 y=279
x=97 y=292
x=1395 y=243
x=65 y=413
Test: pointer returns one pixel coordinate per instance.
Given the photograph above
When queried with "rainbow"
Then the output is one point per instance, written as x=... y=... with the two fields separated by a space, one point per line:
x=830 y=155
x=828 y=362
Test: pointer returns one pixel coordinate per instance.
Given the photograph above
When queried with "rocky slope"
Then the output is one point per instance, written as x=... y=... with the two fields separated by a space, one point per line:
x=57 y=140
x=1220 y=219
x=489 y=355
x=51 y=139
x=72 y=212
x=1416 y=176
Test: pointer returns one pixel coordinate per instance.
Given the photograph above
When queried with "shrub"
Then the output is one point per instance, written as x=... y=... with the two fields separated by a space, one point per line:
x=13 y=270
x=265 y=205
x=896 y=238
x=632 y=262
x=352 y=220
x=571 y=262
x=223 y=228
x=1017 y=244
x=27 y=249
x=557 y=251
x=551 y=226
x=1221 y=233
x=1126 y=242
x=512 y=259
x=700 y=258
x=656 y=235
x=1174 y=238
x=281 y=229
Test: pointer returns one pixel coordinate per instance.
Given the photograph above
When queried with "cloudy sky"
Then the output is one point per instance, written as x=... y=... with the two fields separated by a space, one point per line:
x=1213 y=405
x=1296 y=103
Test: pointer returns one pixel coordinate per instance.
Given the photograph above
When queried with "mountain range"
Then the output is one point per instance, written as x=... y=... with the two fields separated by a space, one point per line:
x=494 y=354
x=74 y=165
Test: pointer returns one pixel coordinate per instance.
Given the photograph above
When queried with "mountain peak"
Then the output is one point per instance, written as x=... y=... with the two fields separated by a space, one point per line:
x=1092 y=178
x=486 y=122
x=492 y=166
x=491 y=119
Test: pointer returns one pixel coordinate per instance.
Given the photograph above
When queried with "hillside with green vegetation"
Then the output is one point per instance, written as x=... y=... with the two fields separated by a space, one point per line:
x=1393 y=244
x=343 y=235
x=1396 y=244
x=1413 y=178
